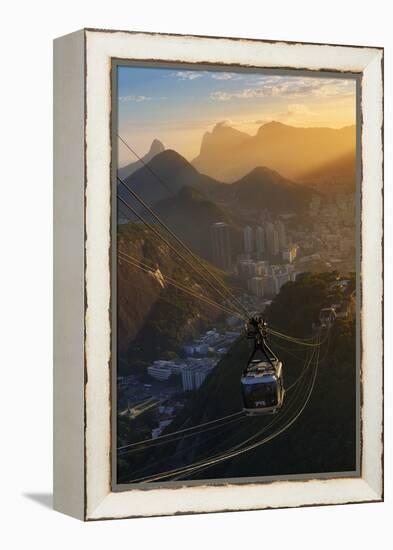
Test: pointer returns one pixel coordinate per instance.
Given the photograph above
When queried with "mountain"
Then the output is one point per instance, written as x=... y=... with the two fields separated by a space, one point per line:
x=189 y=214
x=265 y=188
x=162 y=178
x=340 y=173
x=155 y=148
x=216 y=146
x=228 y=155
x=180 y=195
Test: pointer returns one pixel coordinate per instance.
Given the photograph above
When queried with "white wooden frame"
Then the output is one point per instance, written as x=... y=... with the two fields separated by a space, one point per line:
x=82 y=338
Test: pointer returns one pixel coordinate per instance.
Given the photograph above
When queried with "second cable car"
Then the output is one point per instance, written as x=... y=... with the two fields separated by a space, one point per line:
x=262 y=380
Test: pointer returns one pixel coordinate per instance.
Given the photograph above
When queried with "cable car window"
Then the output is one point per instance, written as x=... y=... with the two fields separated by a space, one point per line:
x=264 y=394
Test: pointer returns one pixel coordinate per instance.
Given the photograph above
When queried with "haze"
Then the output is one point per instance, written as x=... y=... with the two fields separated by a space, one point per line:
x=180 y=106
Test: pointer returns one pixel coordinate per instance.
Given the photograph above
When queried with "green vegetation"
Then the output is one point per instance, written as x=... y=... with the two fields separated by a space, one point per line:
x=322 y=440
x=169 y=316
x=298 y=304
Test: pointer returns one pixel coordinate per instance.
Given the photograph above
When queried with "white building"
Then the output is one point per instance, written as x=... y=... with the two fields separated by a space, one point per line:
x=200 y=375
x=194 y=375
x=197 y=348
x=247 y=269
x=160 y=370
x=280 y=279
x=187 y=379
x=262 y=267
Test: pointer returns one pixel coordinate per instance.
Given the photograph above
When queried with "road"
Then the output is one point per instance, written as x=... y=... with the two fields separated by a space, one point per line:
x=141 y=408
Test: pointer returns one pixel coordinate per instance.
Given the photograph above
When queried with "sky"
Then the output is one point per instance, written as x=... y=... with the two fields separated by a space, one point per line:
x=179 y=106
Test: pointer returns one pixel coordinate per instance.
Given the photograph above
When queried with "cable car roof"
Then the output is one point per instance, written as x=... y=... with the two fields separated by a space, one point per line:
x=262 y=372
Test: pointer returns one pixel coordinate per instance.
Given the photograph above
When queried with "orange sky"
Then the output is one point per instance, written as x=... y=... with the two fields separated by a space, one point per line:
x=179 y=106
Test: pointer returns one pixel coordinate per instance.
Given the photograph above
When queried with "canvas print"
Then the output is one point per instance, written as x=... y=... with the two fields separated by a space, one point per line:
x=236 y=273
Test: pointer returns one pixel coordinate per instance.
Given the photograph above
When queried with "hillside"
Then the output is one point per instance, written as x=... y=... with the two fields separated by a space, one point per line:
x=322 y=440
x=165 y=175
x=289 y=150
x=153 y=315
x=181 y=194
x=265 y=188
x=188 y=205
x=339 y=174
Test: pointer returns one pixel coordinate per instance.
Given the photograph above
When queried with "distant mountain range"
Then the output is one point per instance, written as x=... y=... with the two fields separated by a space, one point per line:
x=228 y=154
x=190 y=202
x=168 y=172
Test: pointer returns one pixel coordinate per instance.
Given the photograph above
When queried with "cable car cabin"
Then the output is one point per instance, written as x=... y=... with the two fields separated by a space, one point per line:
x=327 y=316
x=262 y=379
x=262 y=387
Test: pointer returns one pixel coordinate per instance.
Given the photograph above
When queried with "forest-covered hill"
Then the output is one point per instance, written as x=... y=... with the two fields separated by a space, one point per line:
x=322 y=440
x=152 y=315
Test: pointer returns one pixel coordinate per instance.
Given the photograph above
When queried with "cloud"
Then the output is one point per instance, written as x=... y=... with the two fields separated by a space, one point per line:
x=223 y=76
x=137 y=98
x=297 y=109
x=291 y=87
x=187 y=75
x=247 y=93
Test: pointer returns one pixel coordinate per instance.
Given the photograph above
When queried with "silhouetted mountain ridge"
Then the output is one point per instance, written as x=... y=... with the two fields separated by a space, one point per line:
x=227 y=154
x=265 y=188
x=168 y=173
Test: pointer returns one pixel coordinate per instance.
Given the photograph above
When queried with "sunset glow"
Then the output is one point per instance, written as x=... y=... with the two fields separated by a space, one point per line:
x=179 y=106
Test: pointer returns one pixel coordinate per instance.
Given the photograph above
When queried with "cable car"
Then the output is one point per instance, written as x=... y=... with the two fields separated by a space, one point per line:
x=327 y=316
x=262 y=380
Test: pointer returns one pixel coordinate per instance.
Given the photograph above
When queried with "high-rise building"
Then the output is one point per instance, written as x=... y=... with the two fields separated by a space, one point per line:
x=200 y=376
x=289 y=254
x=262 y=268
x=256 y=286
x=282 y=234
x=248 y=239
x=220 y=236
x=187 y=377
x=193 y=376
x=247 y=269
x=260 y=242
x=272 y=239
x=280 y=279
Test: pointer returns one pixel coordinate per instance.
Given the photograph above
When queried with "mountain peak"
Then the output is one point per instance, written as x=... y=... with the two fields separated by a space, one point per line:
x=274 y=125
x=156 y=147
x=169 y=157
x=222 y=137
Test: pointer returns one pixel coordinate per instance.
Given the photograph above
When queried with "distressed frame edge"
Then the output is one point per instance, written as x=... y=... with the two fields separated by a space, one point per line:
x=375 y=492
x=69 y=276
